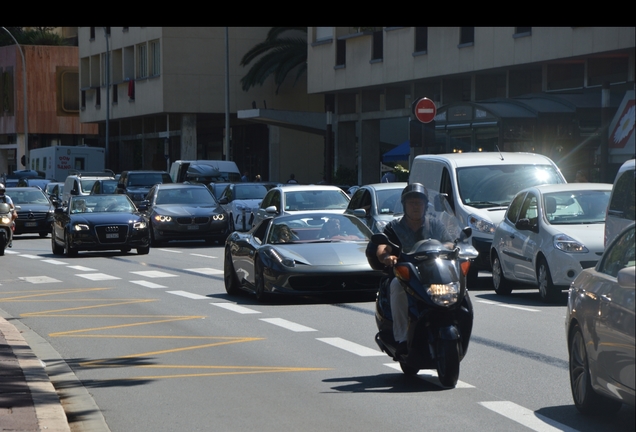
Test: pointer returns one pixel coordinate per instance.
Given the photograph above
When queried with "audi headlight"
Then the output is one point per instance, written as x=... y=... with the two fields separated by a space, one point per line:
x=568 y=244
x=444 y=294
x=482 y=225
x=139 y=225
x=218 y=217
x=80 y=227
x=162 y=218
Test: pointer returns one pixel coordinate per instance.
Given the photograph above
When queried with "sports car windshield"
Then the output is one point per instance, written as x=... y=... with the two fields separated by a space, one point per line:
x=186 y=195
x=574 y=208
x=317 y=227
x=496 y=186
x=101 y=204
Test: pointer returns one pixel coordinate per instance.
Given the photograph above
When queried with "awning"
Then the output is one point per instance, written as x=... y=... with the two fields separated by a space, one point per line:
x=399 y=153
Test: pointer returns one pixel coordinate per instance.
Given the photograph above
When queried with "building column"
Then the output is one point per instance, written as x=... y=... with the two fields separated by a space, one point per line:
x=369 y=152
x=188 y=136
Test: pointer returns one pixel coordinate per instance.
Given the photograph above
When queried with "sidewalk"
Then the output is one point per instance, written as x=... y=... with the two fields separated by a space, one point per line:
x=28 y=401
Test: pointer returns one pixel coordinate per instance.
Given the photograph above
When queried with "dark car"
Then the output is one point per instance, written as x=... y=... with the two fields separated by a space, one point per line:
x=36 y=210
x=303 y=253
x=101 y=187
x=136 y=184
x=182 y=211
x=99 y=222
x=377 y=204
x=599 y=328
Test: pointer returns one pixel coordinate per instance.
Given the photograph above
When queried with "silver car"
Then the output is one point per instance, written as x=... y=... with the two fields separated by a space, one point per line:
x=600 y=330
x=377 y=204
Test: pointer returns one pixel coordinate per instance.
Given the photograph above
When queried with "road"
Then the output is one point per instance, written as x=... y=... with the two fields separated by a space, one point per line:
x=155 y=344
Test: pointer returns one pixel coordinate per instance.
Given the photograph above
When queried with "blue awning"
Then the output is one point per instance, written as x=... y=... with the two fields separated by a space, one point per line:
x=399 y=153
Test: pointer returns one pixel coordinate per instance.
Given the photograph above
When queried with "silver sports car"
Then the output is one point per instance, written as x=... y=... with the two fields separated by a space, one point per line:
x=304 y=253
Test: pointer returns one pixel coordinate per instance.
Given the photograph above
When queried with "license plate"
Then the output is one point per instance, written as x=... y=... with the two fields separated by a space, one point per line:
x=30 y=224
x=112 y=235
x=193 y=227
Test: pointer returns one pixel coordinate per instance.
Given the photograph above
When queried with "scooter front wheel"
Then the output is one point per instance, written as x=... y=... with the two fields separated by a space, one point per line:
x=448 y=362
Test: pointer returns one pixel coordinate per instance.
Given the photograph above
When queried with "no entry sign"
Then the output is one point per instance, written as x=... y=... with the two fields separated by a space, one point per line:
x=425 y=110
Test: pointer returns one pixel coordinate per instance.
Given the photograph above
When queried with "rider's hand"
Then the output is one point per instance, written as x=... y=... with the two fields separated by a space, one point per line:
x=389 y=260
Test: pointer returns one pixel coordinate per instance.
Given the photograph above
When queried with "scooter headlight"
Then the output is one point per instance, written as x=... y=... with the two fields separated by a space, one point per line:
x=444 y=294
x=5 y=220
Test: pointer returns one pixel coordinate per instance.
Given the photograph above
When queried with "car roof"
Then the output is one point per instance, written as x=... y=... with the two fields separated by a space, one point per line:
x=573 y=187
x=488 y=158
x=385 y=186
x=180 y=185
x=145 y=171
x=288 y=187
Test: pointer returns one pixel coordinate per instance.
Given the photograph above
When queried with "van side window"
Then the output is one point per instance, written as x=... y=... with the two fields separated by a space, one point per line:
x=446 y=187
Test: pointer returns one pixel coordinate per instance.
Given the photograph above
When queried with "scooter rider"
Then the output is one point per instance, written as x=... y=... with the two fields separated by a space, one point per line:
x=7 y=199
x=405 y=232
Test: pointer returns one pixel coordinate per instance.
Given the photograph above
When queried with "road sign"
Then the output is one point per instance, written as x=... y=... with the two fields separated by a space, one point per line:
x=425 y=110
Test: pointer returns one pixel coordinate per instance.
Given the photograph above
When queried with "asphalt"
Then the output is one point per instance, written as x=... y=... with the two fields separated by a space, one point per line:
x=28 y=400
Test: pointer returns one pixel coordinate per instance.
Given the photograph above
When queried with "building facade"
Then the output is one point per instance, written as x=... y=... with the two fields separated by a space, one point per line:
x=51 y=104
x=510 y=88
x=159 y=95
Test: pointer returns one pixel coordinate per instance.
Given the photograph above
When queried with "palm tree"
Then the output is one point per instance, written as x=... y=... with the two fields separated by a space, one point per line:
x=280 y=55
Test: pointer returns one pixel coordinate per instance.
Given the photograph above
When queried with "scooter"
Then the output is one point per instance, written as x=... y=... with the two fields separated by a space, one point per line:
x=440 y=310
x=6 y=227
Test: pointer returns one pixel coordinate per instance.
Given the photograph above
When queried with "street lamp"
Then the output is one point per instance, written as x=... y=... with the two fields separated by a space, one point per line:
x=24 y=88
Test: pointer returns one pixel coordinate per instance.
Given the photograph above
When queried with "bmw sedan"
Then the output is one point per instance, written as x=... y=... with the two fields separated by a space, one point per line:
x=600 y=327
x=548 y=235
x=36 y=210
x=99 y=222
x=183 y=211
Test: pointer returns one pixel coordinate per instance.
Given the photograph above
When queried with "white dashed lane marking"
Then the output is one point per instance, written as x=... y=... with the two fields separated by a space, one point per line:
x=39 y=279
x=509 y=306
x=148 y=284
x=153 y=274
x=54 y=262
x=97 y=276
x=205 y=271
x=31 y=256
x=288 y=325
x=351 y=347
x=82 y=268
x=526 y=417
x=188 y=295
x=236 y=308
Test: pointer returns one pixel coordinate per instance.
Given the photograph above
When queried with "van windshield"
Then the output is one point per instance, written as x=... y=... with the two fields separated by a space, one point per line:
x=495 y=186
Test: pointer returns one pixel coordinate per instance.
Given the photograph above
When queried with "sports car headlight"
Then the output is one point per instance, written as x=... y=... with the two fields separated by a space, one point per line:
x=139 y=225
x=162 y=218
x=482 y=225
x=280 y=259
x=444 y=294
x=80 y=227
x=218 y=217
x=5 y=220
x=568 y=244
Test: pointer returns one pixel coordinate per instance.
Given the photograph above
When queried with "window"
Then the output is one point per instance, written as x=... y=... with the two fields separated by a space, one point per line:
x=377 y=52
x=522 y=31
x=620 y=255
x=142 y=61
x=466 y=36
x=324 y=33
x=421 y=39
x=69 y=91
x=92 y=33
x=155 y=58
x=341 y=52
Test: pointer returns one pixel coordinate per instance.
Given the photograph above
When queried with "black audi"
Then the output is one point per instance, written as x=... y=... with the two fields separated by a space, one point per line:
x=99 y=222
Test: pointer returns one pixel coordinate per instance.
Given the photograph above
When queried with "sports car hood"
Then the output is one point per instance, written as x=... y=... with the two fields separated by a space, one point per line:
x=325 y=254
x=177 y=210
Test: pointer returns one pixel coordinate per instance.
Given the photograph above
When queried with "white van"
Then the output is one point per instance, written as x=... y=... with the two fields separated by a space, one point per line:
x=204 y=171
x=620 y=211
x=479 y=187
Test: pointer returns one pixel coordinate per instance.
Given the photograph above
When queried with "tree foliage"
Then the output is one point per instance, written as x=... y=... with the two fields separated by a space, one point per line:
x=278 y=54
x=32 y=36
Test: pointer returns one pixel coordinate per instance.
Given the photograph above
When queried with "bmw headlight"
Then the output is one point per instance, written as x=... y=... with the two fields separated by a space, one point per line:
x=80 y=227
x=139 y=225
x=482 y=225
x=162 y=218
x=568 y=244
x=218 y=217
x=444 y=294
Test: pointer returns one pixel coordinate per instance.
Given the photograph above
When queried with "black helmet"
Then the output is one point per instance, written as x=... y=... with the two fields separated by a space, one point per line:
x=414 y=190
